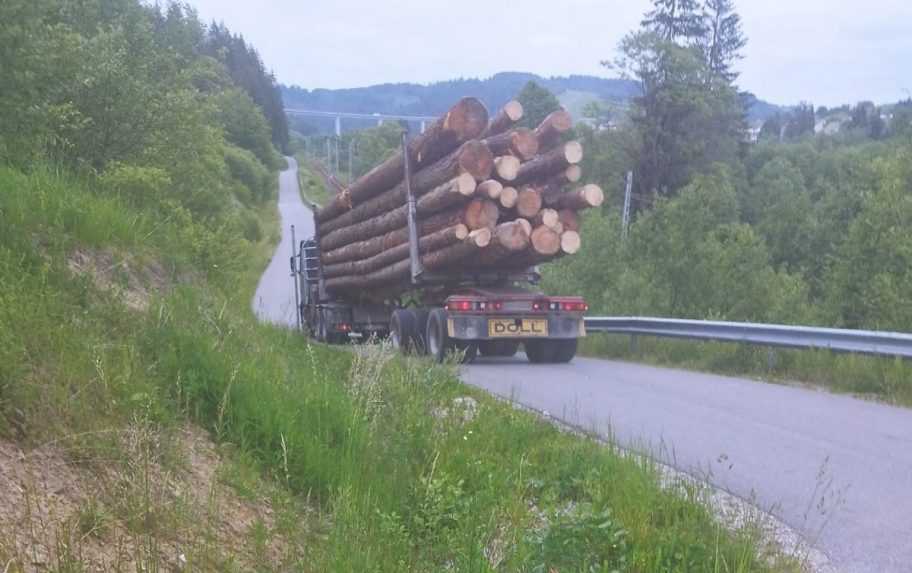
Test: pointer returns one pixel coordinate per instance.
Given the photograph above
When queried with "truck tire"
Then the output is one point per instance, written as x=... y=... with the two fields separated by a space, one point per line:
x=438 y=339
x=421 y=322
x=563 y=350
x=498 y=347
x=538 y=351
x=402 y=330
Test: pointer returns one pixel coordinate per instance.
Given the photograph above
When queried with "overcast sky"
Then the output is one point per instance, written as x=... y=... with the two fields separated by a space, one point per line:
x=825 y=51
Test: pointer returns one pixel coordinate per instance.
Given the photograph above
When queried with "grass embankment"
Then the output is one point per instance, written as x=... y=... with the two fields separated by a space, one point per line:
x=313 y=188
x=885 y=379
x=372 y=463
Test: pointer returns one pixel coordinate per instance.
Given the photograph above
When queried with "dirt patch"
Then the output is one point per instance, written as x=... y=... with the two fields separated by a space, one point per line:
x=139 y=511
x=134 y=282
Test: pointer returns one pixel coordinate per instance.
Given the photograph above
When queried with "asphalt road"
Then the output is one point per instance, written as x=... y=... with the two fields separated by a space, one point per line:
x=837 y=469
x=274 y=298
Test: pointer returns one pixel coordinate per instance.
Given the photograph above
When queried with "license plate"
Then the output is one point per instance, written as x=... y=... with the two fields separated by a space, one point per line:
x=517 y=327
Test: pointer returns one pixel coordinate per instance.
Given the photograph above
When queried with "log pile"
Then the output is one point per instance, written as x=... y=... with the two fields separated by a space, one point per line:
x=490 y=196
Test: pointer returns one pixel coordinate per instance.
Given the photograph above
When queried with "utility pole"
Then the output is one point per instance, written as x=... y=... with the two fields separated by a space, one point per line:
x=626 y=217
x=351 y=154
x=328 y=156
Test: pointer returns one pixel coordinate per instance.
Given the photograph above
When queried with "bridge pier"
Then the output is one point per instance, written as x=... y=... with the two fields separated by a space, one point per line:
x=338 y=126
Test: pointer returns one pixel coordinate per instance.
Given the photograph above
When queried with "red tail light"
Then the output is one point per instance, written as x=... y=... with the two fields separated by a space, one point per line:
x=460 y=305
x=498 y=305
x=575 y=306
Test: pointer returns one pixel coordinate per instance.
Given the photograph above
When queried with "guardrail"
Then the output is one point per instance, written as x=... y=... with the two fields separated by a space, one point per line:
x=835 y=339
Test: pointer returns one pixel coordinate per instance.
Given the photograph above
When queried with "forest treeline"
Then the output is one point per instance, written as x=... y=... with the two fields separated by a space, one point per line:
x=803 y=228
x=146 y=102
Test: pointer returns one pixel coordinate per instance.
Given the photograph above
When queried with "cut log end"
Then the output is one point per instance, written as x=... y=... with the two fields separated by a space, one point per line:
x=573 y=152
x=465 y=184
x=545 y=241
x=547 y=217
x=476 y=159
x=560 y=121
x=481 y=213
x=573 y=173
x=528 y=202
x=460 y=231
x=570 y=242
x=467 y=119
x=512 y=236
x=507 y=167
x=480 y=237
x=593 y=195
x=508 y=197
x=490 y=189
x=526 y=225
x=514 y=110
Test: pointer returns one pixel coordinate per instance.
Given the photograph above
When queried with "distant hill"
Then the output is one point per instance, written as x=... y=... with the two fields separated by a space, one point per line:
x=434 y=99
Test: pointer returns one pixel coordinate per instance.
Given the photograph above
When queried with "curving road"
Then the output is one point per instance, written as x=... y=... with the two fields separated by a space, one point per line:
x=837 y=469
x=274 y=298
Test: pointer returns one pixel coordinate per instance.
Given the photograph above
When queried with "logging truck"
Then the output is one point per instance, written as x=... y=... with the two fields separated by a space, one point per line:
x=471 y=313
x=438 y=246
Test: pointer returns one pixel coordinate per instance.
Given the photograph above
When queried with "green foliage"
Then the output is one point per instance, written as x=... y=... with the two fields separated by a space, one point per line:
x=253 y=175
x=870 y=282
x=245 y=125
x=537 y=103
x=248 y=72
x=685 y=120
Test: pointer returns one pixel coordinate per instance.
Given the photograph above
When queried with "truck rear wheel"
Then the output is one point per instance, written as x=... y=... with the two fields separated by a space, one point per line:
x=402 y=330
x=538 y=351
x=421 y=322
x=564 y=350
x=437 y=337
x=439 y=343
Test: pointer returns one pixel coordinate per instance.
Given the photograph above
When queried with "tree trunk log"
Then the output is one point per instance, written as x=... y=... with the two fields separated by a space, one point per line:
x=554 y=186
x=464 y=121
x=506 y=167
x=545 y=241
x=570 y=242
x=456 y=191
x=586 y=197
x=520 y=143
x=489 y=189
x=472 y=157
x=552 y=128
x=528 y=202
x=400 y=271
x=547 y=217
x=508 y=197
x=545 y=166
x=569 y=219
x=509 y=238
x=504 y=119
x=485 y=215
x=426 y=244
